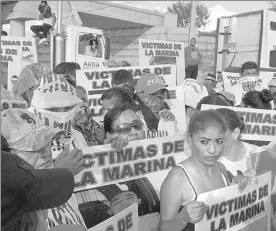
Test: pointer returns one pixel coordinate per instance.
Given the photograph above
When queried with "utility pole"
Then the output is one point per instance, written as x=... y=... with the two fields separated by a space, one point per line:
x=192 y=20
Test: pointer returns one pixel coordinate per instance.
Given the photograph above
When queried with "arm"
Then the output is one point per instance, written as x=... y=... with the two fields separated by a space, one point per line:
x=54 y=21
x=170 y=205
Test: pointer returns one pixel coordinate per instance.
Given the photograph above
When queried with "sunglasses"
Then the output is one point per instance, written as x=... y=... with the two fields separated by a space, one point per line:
x=126 y=127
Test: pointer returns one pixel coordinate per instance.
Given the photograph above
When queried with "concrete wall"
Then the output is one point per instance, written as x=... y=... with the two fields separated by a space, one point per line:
x=124 y=44
x=206 y=45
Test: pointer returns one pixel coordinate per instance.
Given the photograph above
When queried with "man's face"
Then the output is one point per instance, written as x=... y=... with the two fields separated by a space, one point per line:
x=210 y=83
x=193 y=42
x=249 y=72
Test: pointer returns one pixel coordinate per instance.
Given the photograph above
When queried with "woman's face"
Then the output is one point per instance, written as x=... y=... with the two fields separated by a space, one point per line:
x=229 y=139
x=207 y=146
x=128 y=123
x=110 y=103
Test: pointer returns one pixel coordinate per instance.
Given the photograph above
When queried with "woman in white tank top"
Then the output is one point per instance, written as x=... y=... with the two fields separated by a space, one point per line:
x=237 y=155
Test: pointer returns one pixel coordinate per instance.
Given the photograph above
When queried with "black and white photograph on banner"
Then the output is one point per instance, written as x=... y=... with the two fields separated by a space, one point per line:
x=138 y=115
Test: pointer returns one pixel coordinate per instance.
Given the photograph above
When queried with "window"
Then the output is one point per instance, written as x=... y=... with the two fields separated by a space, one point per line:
x=272 y=59
x=94 y=204
x=273 y=26
x=90 y=45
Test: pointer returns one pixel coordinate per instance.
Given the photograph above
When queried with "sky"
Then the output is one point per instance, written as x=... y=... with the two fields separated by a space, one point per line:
x=217 y=8
x=232 y=6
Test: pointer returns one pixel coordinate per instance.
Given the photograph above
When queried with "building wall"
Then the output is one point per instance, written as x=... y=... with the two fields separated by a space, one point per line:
x=125 y=44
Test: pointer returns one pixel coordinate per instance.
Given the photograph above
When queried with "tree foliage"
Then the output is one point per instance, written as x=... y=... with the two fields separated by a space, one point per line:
x=182 y=9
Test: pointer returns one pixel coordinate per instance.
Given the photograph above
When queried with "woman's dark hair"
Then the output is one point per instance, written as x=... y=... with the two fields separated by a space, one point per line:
x=249 y=65
x=204 y=119
x=258 y=99
x=67 y=68
x=112 y=115
x=45 y=2
x=122 y=76
x=4 y=33
x=124 y=97
x=213 y=100
x=232 y=119
x=93 y=40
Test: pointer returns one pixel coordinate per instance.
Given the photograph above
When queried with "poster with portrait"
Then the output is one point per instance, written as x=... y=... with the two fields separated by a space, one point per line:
x=136 y=173
x=156 y=52
x=10 y=65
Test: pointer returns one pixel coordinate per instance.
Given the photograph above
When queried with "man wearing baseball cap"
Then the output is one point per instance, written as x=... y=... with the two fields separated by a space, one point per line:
x=26 y=191
x=152 y=93
x=27 y=137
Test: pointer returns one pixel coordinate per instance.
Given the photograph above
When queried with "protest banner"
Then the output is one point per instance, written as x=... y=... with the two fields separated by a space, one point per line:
x=141 y=168
x=127 y=220
x=10 y=65
x=155 y=52
x=260 y=124
x=96 y=81
x=8 y=104
x=27 y=56
x=229 y=209
x=148 y=158
x=240 y=86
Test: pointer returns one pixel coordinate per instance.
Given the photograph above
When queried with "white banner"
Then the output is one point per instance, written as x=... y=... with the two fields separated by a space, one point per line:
x=151 y=158
x=260 y=123
x=10 y=65
x=156 y=52
x=96 y=81
x=126 y=220
x=27 y=56
x=228 y=209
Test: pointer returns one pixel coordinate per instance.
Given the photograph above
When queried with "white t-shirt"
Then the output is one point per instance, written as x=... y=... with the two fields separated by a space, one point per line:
x=242 y=165
x=165 y=128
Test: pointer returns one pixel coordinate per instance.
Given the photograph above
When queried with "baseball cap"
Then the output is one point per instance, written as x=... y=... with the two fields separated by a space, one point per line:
x=227 y=95
x=24 y=188
x=150 y=83
x=24 y=131
x=211 y=77
x=272 y=82
x=122 y=76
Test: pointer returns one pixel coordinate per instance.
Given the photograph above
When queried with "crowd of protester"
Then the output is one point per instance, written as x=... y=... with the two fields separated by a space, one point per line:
x=42 y=145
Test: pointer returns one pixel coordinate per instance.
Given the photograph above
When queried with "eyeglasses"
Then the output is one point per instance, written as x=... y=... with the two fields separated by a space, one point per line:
x=126 y=127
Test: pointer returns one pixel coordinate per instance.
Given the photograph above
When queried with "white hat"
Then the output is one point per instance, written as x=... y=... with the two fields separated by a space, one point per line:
x=194 y=91
x=24 y=131
x=54 y=91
